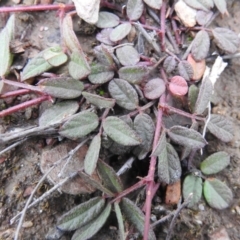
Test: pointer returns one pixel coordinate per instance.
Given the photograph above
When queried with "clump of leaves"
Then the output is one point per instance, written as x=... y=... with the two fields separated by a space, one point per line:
x=120 y=102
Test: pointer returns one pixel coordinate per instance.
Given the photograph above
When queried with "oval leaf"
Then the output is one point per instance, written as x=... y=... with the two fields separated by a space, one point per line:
x=127 y=55
x=120 y=32
x=135 y=216
x=103 y=36
x=196 y=4
x=62 y=87
x=90 y=229
x=192 y=185
x=185 y=70
x=81 y=214
x=107 y=20
x=58 y=112
x=90 y=161
x=187 y=137
x=221 y=6
x=120 y=132
x=221 y=127
x=156 y=4
x=198 y=67
x=161 y=145
x=104 y=56
x=55 y=57
x=125 y=95
x=79 y=125
x=122 y=235
x=178 y=86
x=109 y=177
x=154 y=88
x=217 y=194
x=169 y=167
x=134 y=9
x=192 y=96
x=200 y=45
x=169 y=64
x=215 y=163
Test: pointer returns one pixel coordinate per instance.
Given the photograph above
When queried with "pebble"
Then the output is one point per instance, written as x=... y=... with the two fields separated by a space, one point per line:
x=27 y=224
x=220 y=234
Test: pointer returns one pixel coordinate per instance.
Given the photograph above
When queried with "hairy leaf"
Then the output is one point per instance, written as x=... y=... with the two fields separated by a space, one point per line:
x=226 y=39
x=207 y=3
x=217 y=194
x=109 y=177
x=103 y=36
x=156 y=4
x=120 y=132
x=215 y=163
x=55 y=57
x=120 y=32
x=185 y=70
x=99 y=101
x=79 y=125
x=221 y=127
x=192 y=96
x=133 y=74
x=221 y=6
x=135 y=216
x=204 y=96
x=125 y=95
x=62 y=87
x=161 y=145
x=169 y=167
x=81 y=214
x=196 y=4
x=90 y=229
x=200 y=45
x=178 y=86
x=104 y=56
x=122 y=235
x=58 y=112
x=90 y=161
x=169 y=64
x=187 y=137
x=154 y=88
x=203 y=17
x=134 y=9
x=127 y=55
x=107 y=20
x=192 y=184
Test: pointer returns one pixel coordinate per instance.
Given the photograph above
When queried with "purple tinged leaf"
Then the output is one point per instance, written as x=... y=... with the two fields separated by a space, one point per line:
x=204 y=96
x=226 y=39
x=169 y=64
x=196 y=4
x=122 y=235
x=90 y=161
x=200 y=45
x=187 y=137
x=79 y=125
x=58 y=112
x=156 y=4
x=104 y=56
x=135 y=216
x=107 y=20
x=134 y=9
x=125 y=95
x=169 y=167
x=178 y=86
x=185 y=70
x=127 y=55
x=103 y=36
x=120 y=132
x=120 y=32
x=133 y=74
x=81 y=214
x=154 y=88
x=91 y=228
x=221 y=127
x=161 y=145
x=215 y=163
x=109 y=177
x=203 y=17
x=99 y=101
x=192 y=185
x=221 y=6
x=217 y=194
x=62 y=87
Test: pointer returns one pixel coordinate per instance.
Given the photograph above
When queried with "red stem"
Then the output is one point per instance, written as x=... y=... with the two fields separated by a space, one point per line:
x=163 y=27
x=15 y=93
x=176 y=32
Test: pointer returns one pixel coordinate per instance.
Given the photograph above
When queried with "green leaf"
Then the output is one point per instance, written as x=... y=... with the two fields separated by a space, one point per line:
x=6 y=36
x=107 y=20
x=55 y=57
x=161 y=145
x=79 y=125
x=169 y=167
x=134 y=9
x=169 y=64
x=90 y=161
x=217 y=194
x=62 y=87
x=192 y=96
x=122 y=235
x=99 y=101
x=204 y=96
x=81 y=214
x=78 y=66
x=109 y=177
x=127 y=55
x=187 y=137
x=125 y=95
x=154 y=88
x=120 y=32
x=185 y=70
x=58 y=112
x=104 y=56
x=196 y=4
x=192 y=184
x=90 y=229
x=100 y=74
x=156 y=4
x=135 y=216
x=215 y=163
x=133 y=74
x=221 y=6
x=221 y=127
x=120 y=132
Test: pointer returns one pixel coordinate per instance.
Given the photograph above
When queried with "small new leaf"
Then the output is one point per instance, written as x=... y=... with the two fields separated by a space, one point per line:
x=134 y=9
x=120 y=132
x=217 y=194
x=81 y=214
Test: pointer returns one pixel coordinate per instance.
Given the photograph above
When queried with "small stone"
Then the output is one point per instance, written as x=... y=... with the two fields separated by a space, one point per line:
x=220 y=234
x=201 y=207
x=45 y=28
x=237 y=208
x=27 y=224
